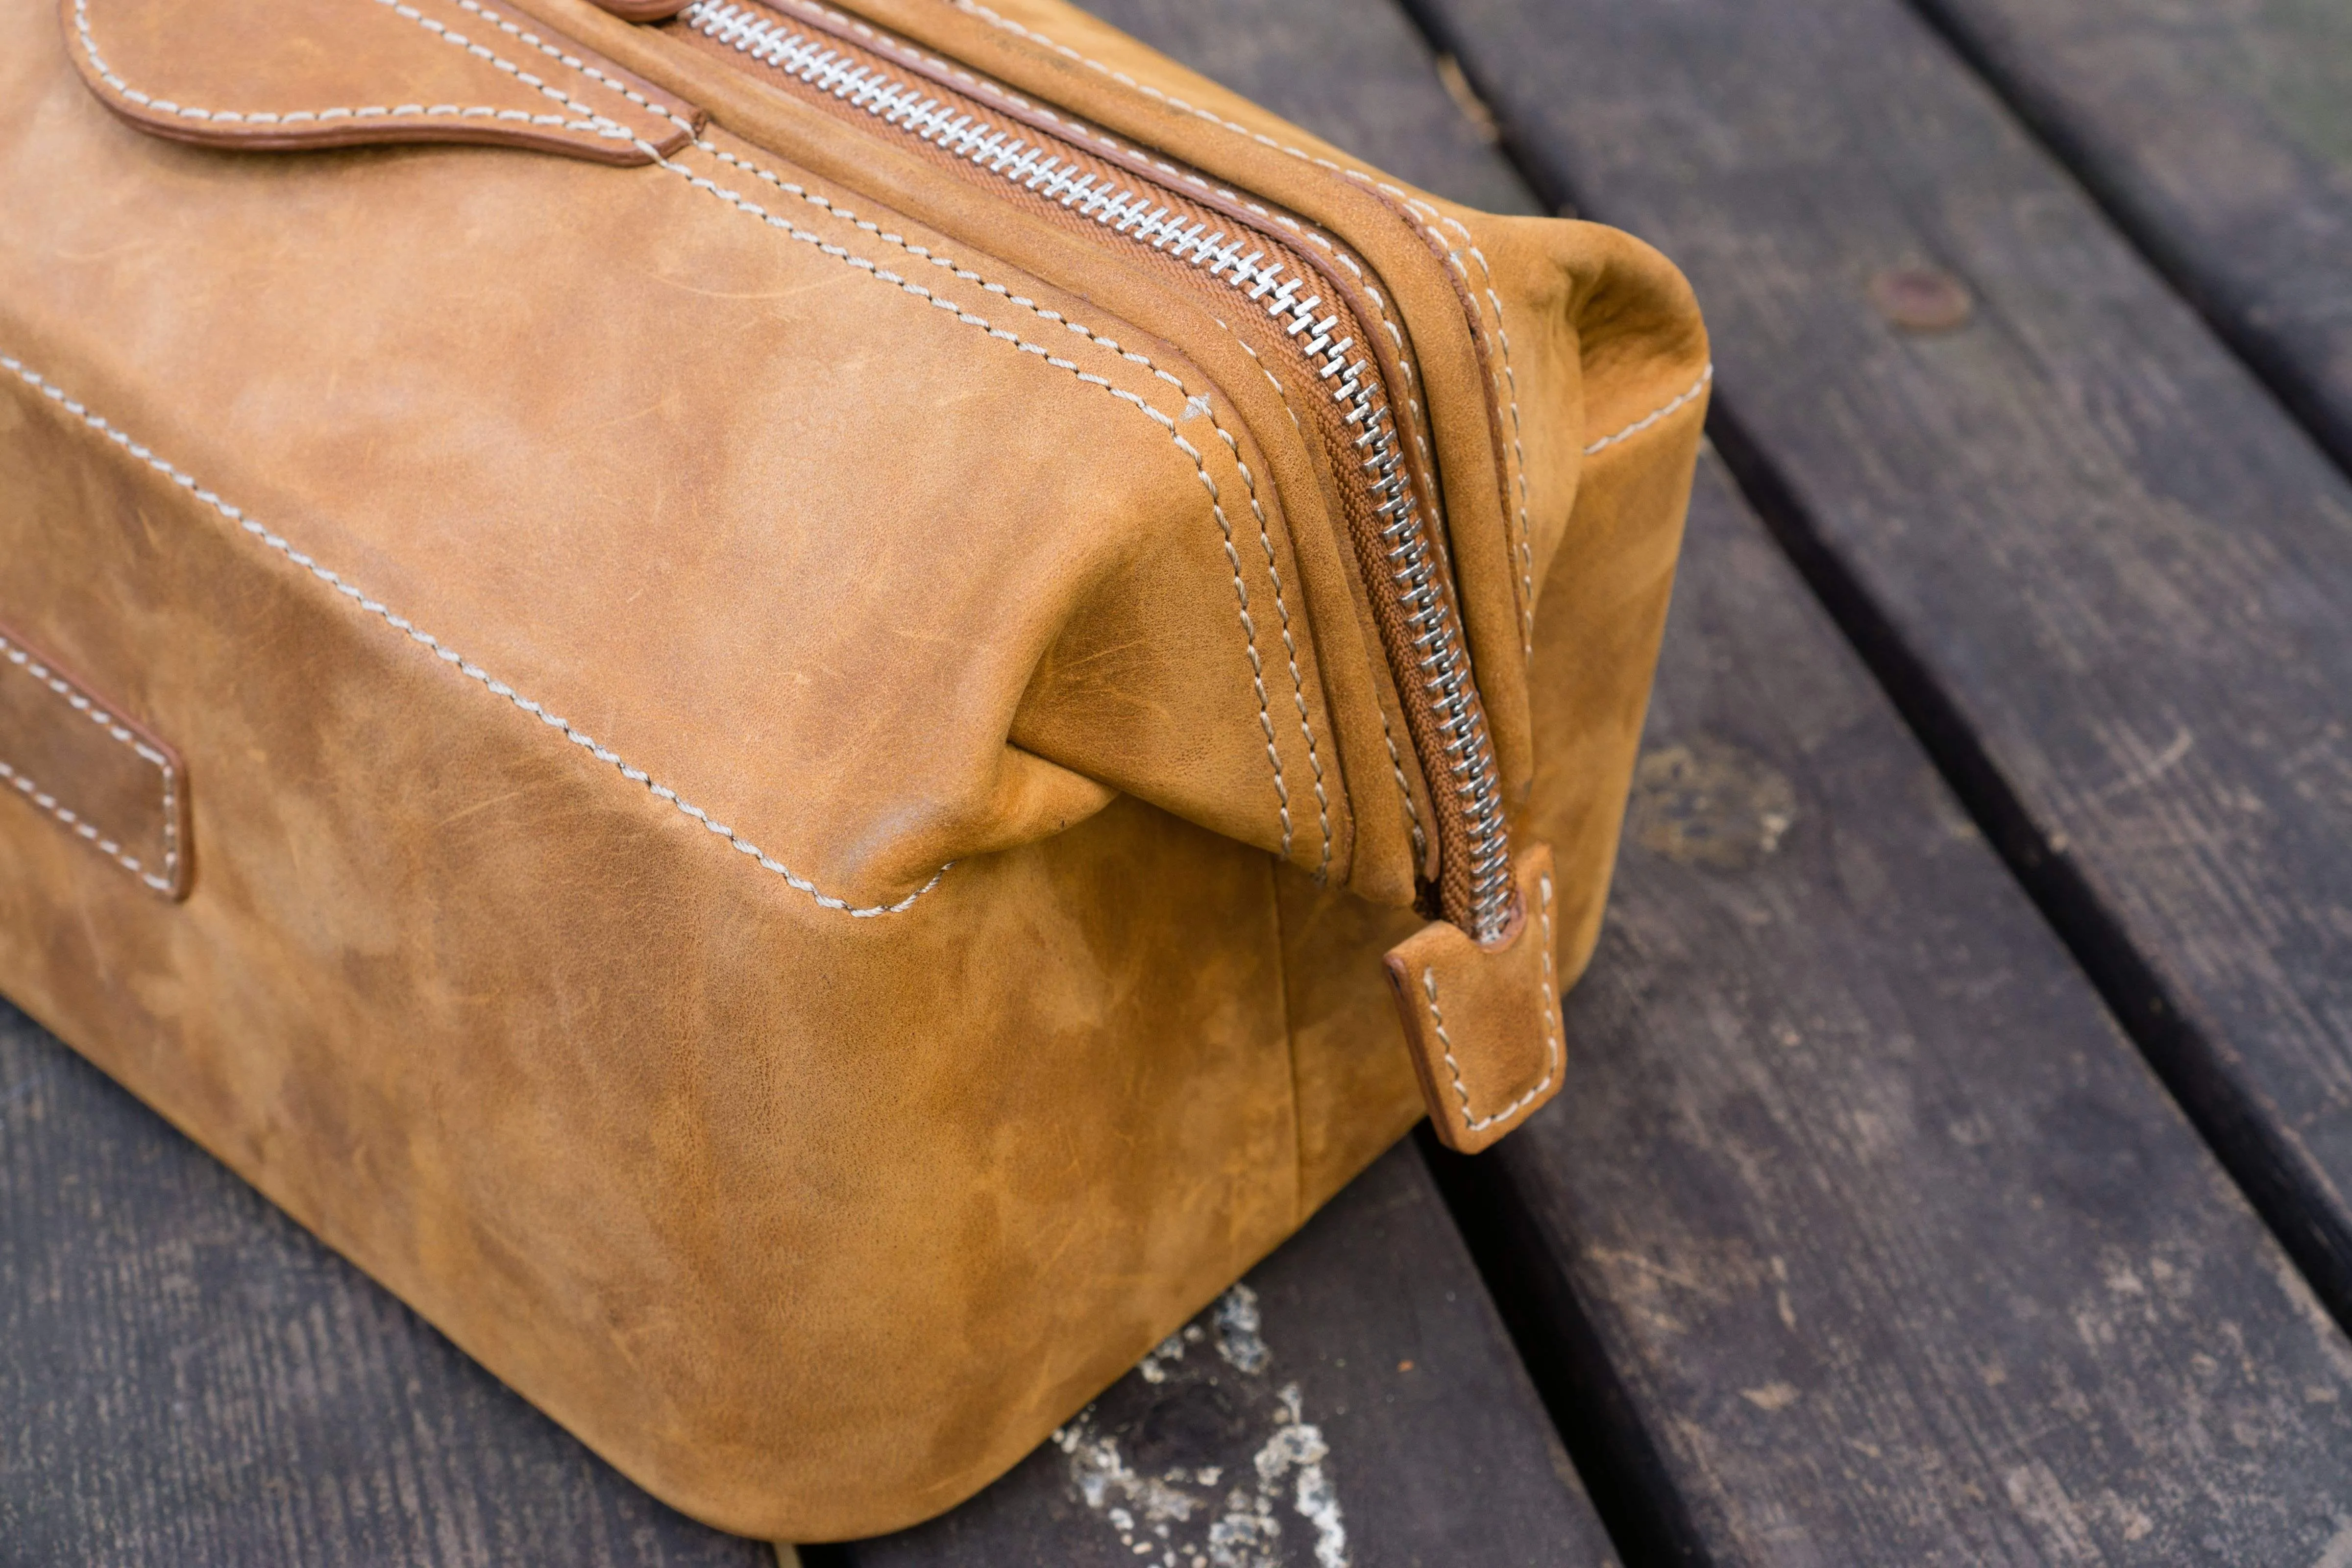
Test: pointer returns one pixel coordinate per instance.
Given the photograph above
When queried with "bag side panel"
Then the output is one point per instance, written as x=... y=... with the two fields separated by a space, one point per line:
x=812 y=1224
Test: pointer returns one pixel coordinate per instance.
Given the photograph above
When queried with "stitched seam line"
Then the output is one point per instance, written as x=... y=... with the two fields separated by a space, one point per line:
x=533 y=41
x=1527 y=634
x=445 y=654
x=1361 y=176
x=1506 y=386
x=1405 y=791
x=82 y=826
x=1008 y=24
x=1396 y=763
x=1551 y=1036
x=1080 y=132
x=593 y=123
x=1656 y=414
x=1020 y=344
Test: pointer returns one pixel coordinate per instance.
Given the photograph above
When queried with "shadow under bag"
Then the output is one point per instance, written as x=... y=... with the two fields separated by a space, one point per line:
x=804 y=714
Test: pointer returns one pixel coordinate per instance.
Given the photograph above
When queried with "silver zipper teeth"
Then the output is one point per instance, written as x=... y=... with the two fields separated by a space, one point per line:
x=1444 y=666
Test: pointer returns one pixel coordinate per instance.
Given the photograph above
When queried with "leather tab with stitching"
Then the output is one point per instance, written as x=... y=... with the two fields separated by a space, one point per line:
x=1482 y=1024
x=283 y=75
x=84 y=769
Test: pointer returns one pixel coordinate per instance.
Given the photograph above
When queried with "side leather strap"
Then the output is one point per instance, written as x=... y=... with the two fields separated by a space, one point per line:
x=280 y=75
x=1482 y=1024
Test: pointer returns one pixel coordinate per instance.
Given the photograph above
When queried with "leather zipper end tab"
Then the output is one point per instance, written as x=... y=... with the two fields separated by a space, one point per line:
x=1483 y=1022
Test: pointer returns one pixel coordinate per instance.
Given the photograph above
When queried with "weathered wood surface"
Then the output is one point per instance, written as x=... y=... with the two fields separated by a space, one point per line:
x=1870 y=1238
x=188 y=1380
x=2103 y=575
x=1862 y=1232
x=1353 y=1401
x=2221 y=138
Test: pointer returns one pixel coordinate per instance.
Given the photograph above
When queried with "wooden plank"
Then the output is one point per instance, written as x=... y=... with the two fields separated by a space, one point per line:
x=2220 y=138
x=1859 y=1228
x=188 y=1379
x=2102 y=576
x=1354 y=1401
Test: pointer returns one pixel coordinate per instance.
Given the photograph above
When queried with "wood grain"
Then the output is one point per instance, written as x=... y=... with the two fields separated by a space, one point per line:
x=188 y=1379
x=2102 y=574
x=2221 y=138
x=1859 y=1232
x=1431 y=1445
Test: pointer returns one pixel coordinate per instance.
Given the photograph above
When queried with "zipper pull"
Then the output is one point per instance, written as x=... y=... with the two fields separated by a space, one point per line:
x=1482 y=1021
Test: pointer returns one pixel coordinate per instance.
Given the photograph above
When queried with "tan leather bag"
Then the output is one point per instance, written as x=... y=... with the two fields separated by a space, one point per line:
x=804 y=714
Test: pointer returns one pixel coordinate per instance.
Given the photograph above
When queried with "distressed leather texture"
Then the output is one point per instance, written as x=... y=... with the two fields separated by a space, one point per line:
x=1486 y=1059
x=290 y=74
x=97 y=775
x=790 y=815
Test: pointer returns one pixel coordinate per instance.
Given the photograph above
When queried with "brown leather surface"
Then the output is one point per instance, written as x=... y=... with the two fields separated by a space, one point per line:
x=70 y=756
x=1067 y=57
x=598 y=601
x=1605 y=610
x=1482 y=1021
x=811 y=1223
x=292 y=74
x=1106 y=701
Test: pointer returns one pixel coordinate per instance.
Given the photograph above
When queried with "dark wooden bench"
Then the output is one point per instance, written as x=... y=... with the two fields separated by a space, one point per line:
x=2224 y=149
x=1997 y=782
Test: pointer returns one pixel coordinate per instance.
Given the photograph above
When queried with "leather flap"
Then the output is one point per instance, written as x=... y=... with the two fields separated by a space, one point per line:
x=1482 y=1024
x=289 y=74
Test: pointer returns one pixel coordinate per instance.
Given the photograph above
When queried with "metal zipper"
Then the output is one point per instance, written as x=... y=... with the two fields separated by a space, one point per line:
x=1475 y=886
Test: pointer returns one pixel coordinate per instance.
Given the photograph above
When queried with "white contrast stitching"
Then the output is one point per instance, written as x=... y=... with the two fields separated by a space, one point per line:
x=573 y=62
x=1551 y=1036
x=22 y=657
x=1388 y=736
x=1289 y=647
x=883 y=43
x=1361 y=176
x=1506 y=384
x=445 y=654
x=594 y=123
x=1216 y=504
x=1656 y=414
x=1405 y=791
x=1007 y=25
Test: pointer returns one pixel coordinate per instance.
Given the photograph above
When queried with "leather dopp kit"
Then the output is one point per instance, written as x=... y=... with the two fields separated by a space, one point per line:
x=804 y=713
